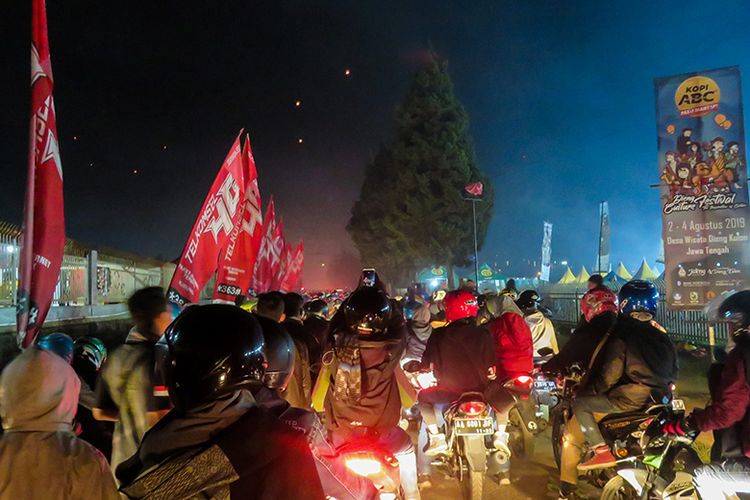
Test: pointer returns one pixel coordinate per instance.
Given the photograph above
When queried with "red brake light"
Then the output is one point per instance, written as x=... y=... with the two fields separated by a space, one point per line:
x=472 y=408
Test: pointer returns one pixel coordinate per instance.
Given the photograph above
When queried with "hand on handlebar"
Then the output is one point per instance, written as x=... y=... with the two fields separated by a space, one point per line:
x=684 y=427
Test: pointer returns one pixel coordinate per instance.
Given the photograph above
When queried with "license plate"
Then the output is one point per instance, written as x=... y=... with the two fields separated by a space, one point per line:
x=470 y=426
x=678 y=405
x=544 y=385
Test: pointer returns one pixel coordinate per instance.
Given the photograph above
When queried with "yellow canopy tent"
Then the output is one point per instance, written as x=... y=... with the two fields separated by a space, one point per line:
x=623 y=273
x=583 y=276
x=567 y=278
x=645 y=272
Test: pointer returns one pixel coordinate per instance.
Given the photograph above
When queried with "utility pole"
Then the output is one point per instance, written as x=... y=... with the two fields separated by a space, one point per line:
x=476 y=252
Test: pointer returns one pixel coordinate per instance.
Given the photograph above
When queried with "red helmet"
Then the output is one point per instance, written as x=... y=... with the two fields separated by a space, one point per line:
x=460 y=304
x=595 y=302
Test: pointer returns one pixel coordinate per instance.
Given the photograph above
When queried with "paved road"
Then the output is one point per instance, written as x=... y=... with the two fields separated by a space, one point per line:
x=530 y=479
x=538 y=478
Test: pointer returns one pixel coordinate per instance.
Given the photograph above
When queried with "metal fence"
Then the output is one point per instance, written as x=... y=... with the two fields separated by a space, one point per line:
x=114 y=274
x=691 y=326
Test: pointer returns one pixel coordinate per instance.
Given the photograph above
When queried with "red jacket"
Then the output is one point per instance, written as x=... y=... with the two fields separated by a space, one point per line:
x=731 y=402
x=514 y=347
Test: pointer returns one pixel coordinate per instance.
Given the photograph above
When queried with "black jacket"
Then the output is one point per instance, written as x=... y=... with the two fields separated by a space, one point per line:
x=257 y=457
x=582 y=343
x=379 y=405
x=462 y=355
x=639 y=364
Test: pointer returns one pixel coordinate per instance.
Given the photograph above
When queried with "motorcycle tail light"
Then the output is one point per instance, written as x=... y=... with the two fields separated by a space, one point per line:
x=364 y=466
x=472 y=408
x=523 y=379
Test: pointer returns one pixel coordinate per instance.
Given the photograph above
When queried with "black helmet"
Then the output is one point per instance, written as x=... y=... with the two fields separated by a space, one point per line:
x=735 y=309
x=367 y=312
x=89 y=351
x=213 y=349
x=317 y=307
x=528 y=299
x=279 y=351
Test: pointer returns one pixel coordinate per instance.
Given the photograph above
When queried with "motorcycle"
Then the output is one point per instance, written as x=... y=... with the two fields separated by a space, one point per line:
x=665 y=469
x=363 y=456
x=470 y=427
x=621 y=431
x=563 y=394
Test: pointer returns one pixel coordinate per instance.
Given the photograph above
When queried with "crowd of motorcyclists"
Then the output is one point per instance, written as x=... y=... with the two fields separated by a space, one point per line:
x=220 y=400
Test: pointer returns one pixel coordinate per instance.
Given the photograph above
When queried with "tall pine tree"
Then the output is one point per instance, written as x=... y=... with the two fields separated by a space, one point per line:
x=412 y=211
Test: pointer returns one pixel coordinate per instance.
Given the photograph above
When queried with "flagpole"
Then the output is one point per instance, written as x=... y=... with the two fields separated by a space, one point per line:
x=599 y=254
x=476 y=257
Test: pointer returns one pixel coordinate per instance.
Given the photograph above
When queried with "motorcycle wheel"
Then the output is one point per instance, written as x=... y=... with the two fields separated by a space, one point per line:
x=472 y=485
x=557 y=420
x=618 y=489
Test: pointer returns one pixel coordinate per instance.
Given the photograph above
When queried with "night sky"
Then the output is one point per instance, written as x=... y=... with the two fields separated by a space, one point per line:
x=560 y=97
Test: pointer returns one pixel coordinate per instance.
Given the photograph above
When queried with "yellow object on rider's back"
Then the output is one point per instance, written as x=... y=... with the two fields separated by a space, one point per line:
x=321 y=388
x=405 y=389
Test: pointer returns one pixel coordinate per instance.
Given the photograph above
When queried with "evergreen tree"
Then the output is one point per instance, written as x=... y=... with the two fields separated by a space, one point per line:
x=412 y=211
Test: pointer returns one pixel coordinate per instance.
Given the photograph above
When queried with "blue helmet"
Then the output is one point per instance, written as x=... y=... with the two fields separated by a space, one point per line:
x=58 y=343
x=638 y=296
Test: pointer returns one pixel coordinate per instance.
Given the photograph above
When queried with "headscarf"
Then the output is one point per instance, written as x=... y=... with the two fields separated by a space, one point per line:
x=38 y=392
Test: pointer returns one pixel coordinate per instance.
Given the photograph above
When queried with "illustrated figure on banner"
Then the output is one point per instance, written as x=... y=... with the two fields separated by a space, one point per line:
x=696 y=168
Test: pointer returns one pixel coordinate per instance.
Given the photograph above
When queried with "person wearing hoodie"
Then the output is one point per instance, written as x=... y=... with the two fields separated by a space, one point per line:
x=217 y=442
x=542 y=329
x=514 y=353
x=129 y=392
x=40 y=455
x=514 y=347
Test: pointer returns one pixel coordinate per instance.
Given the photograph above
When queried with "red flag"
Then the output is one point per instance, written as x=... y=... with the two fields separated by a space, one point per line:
x=43 y=223
x=475 y=188
x=237 y=261
x=211 y=231
x=262 y=278
x=277 y=249
x=287 y=252
x=293 y=274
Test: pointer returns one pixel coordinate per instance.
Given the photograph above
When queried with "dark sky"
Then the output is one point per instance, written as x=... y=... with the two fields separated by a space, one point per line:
x=560 y=97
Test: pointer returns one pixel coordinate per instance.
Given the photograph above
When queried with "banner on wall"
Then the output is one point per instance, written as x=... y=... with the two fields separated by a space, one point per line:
x=703 y=174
